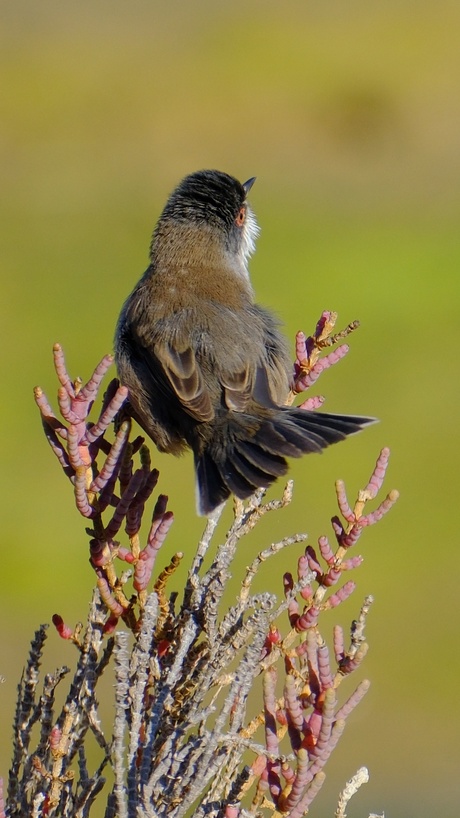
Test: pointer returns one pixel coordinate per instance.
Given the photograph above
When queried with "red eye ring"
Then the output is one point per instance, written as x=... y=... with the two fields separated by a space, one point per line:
x=240 y=217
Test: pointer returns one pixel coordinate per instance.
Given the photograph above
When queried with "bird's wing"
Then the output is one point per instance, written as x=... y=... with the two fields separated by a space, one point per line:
x=237 y=388
x=184 y=373
x=186 y=378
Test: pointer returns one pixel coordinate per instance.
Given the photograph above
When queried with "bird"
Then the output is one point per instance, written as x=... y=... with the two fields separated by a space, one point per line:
x=207 y=368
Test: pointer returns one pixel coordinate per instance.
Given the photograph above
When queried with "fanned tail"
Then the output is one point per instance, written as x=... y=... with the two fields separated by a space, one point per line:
x=249 y=453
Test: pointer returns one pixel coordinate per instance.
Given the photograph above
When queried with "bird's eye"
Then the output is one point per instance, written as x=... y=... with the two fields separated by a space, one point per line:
x=240 y=217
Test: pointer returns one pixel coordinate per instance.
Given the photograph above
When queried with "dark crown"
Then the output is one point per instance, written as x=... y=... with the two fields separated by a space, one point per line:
x=206 y=196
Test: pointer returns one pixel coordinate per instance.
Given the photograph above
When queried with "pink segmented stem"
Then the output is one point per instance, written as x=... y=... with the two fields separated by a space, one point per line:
x=122 y=507
x=112 y=461
x=301 y=351
x=332 y=577
x=81 y=496
x=42 y=402
x=65 y=406
x=301 y=808
x=61 y=370
x=312 y=654
x=384 y=507
x=145 y=492
x=341 y=594
x=160 y=507
x=300 y=781
x=133 y=521
x=107 y=415
x=147 y=557
x=332 y=358
x=326 y=550
x=90 y=389
x=73 y=447
x=63 y=630
x=309 y=619
x=293 y=707
x=350 y=539
x=106 y=595
x=314 y=723
x=324 y=668
x=339 y=643
x=342 y=500
x=327 y=720
x=377 y=477
x=354 y=700
x=312 y=403
x=352 y=562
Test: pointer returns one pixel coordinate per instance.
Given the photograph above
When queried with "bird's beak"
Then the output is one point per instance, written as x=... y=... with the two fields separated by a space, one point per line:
x=248 y=185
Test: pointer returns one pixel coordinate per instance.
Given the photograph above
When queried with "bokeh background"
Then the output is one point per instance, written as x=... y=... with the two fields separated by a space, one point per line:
x=349 y=115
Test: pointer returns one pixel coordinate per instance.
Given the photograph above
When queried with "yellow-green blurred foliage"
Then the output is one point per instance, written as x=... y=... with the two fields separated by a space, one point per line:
x=349 y=115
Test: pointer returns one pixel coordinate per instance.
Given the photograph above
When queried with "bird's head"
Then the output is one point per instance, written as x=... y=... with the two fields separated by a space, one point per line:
x=216 y=203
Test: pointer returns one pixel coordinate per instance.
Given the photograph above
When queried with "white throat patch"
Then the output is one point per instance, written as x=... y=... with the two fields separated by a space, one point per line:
x=250 y=232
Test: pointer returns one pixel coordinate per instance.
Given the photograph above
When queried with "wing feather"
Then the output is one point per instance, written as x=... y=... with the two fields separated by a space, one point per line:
x=237 y=388
x=186 y=378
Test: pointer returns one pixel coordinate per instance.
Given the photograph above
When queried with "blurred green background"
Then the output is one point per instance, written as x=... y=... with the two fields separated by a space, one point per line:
x=349 y=115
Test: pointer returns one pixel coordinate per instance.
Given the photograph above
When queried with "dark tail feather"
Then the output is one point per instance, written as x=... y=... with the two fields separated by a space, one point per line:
x=326 y=428
x=211 y=489
x=239 y=461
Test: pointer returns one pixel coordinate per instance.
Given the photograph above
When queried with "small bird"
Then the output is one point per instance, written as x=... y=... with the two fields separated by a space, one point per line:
x=205 y=366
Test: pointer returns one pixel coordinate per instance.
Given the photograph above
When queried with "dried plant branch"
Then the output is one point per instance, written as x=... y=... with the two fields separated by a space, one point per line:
x=352 y=786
